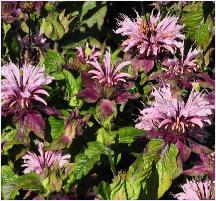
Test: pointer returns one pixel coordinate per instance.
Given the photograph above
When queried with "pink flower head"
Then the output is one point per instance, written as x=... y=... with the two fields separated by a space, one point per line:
x=46 y=159
x=185 y=64
x=151 y=36
x=87 y=54
x=173 y=113
x=196 y=190
x=23 y=86
x=107 y=74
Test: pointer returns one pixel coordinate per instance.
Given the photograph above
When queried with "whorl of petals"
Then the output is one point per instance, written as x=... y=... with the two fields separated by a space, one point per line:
x=46 y=159
x=196 y=190
x=151 y=36
x=185 y=64
x=22 y=86
x=173 y=113
x=107 y=74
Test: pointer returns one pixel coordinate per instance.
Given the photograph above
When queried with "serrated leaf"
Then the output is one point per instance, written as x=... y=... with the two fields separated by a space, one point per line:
x=87 y=6
x=103 y=190
x=128 y=186
x=84 y=162
x=97 y=17
x=127 y=134
x=57 y=127
x=167 y=168
x=46 y=28
x=58 y=32
x=104 y=137
x=30 y=181
x=7 y=179
x=73 y=86
x=105 y=113
x=198 y=29
x=53 y=61
x=8 y=138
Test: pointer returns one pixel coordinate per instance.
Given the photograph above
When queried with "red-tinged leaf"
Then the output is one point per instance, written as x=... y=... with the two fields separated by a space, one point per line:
x=52 y=111
x=107 y=107
x=123 y=97
x=195 y=170
x=87 y=81
x=184 y=151
x=207 y=78
x=148 y=64
x=90 y=95
x=35 y=122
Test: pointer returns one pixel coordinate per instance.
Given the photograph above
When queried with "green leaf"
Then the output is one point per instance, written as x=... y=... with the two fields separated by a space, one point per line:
x=46 y=28
x=73 y=86
x=167 y=168
x=57 y=127
x=128 y=185
x=121 y=189
x=198 y=29
x=53 y=61
x=30 y=181
x=7 y=178
x=97 y=17
x=24 y=27
x=84 y=162
x=87 y=6
x=103 y=190
x=8 y=138
x=115 y=55
x=6 y=28
x=127 y=134
x=104 y=137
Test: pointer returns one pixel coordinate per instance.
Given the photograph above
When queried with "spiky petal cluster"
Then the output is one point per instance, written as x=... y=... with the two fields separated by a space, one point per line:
x=107 y=74
x=46 y=159
x=185 y=64
x=151 y=36
x=86 y=54
x=196 y=190
x=172 y=113
x=22 y=86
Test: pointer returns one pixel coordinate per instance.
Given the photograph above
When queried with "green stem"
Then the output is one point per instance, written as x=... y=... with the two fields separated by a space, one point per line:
x=111 y=163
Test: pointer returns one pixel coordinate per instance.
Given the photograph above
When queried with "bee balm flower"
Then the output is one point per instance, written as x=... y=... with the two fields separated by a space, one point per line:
x=46 y=159
x=87 y=54
x=21 y=87
x=107 y=74
x=196 y=190
x=185 y=64
x=151 y=36
x=172 y=113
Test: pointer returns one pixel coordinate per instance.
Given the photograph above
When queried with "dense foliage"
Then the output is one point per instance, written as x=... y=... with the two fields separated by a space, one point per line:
x=107 y=100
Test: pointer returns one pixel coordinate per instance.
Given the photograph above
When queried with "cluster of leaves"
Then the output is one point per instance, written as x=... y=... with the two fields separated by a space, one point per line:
x=110 y=158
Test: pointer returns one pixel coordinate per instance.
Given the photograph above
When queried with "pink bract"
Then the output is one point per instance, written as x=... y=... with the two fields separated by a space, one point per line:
x=173 y=113
x=46 y=159
x=22 y=86
x=151 y=36
x=107 y=74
